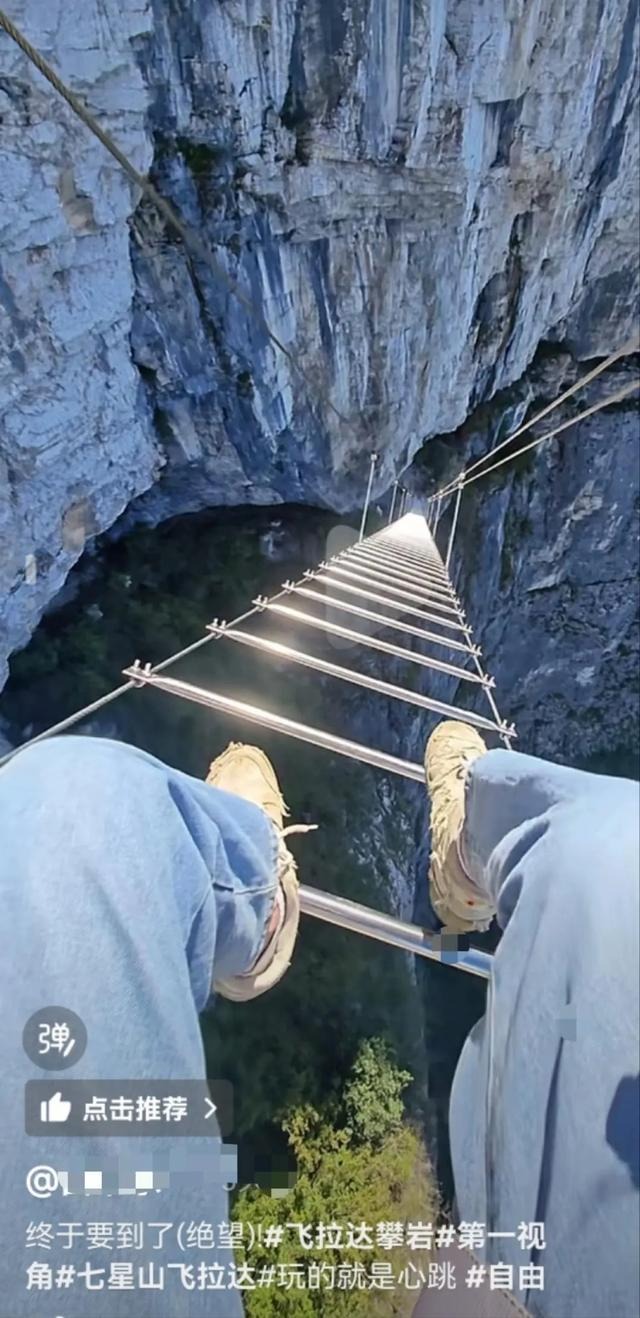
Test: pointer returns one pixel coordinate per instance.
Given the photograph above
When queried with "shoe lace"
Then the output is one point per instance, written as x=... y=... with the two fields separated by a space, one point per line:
x=298 y=828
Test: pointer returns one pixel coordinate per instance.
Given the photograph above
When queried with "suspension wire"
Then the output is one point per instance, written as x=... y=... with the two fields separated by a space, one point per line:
x=118 y=691
x=257 y=608
x=200 y=249
x=630 y=347
x=188 y=235
x=192 y=240
x=557 y=430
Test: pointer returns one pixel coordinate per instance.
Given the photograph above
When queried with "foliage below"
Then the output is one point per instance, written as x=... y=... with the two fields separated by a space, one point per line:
x=368 y=1171
x=318 y=1064
x=373 y=1095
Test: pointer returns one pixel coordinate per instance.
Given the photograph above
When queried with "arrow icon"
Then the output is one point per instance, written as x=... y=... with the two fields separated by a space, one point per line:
x=212 y=1109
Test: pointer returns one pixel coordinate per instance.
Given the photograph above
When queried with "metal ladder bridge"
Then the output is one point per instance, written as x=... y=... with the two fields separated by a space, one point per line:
x=396 y=584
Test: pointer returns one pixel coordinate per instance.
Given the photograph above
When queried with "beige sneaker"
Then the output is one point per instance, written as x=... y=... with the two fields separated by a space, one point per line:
x=457 y=901
x=245 y=771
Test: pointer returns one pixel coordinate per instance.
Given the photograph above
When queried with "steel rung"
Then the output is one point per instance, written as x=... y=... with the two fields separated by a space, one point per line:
x=286 y=652
x=396 y=933
x=374 y=643
x=424 y=570
x=353 y=750
x=412 y=563
x=393 y=545
x=431 y=638
x=390 y=604
x=438 y=599
x=430 y=557
x=390 y=564
x=370 y=579
x=389 y=559
x=427 y=554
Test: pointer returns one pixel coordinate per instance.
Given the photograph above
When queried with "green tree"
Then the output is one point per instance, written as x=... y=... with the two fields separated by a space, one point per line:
x=372 y=1170
x=373 y=1096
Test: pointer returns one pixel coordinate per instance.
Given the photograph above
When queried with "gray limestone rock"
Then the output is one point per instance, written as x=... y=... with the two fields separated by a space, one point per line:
x=76 y=443
x=546 y=560
x=414 y=195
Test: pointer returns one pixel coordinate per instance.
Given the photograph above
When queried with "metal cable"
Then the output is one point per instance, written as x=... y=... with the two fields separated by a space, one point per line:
x=118 y=691
x=557 y=430
x=192 y=240
x=527 y=425
x=189 y=236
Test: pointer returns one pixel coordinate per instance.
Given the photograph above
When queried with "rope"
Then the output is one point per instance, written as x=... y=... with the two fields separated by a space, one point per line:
x=118 y=691
x=193 y=241
x=573 y=421
x=630 y=347
x=190 y=238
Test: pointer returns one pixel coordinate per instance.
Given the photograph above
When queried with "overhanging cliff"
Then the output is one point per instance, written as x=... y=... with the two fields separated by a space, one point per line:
x=414 y=194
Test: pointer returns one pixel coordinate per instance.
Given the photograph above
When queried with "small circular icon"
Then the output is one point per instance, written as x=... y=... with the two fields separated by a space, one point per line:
x=54 y=1038
x=42 y=1182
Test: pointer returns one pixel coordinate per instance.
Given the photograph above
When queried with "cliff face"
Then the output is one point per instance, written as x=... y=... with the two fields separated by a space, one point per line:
x=414 y=194
x=546 y=557
x=76 y=443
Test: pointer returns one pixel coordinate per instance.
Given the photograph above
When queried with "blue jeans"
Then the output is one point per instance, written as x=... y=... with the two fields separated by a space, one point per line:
x=125 y=882
x=544 y=1113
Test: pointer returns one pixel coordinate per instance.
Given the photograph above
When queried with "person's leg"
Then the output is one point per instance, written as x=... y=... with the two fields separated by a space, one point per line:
x=544 y=1108
x=125 y=887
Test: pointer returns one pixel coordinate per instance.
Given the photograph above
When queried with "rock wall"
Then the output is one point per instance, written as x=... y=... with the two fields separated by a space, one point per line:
x=546 y=560
x=414 y=195
x=76 y=442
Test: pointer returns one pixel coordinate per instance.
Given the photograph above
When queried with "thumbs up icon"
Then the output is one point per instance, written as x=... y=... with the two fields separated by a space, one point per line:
x=55 y=1108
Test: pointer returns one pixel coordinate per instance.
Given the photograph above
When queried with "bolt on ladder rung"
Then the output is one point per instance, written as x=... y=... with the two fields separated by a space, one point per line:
x=390 y=603
x=431 y=638
x=377 y=684
x=352 y=750
x=374 y=643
